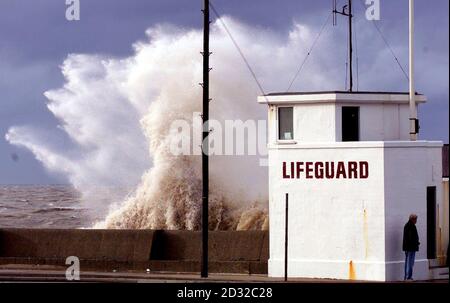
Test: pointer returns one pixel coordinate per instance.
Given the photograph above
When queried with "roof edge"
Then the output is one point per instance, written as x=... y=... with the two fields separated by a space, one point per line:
x=339 y=92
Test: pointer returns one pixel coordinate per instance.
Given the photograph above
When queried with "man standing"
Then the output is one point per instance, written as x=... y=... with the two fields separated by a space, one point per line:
x=410 y=245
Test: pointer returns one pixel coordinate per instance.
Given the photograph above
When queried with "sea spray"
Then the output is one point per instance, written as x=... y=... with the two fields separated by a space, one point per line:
x=115 y=114
x=169 y=196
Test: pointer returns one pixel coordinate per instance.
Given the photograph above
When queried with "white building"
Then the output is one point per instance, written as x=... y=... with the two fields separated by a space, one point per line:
x=352 y=177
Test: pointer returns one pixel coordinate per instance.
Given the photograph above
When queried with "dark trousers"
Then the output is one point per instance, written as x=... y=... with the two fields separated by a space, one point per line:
x=410 y=256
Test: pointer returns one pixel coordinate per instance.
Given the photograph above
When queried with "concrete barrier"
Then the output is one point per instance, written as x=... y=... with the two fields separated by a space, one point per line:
x=229 y=251
x=117 y=245
x=223 y=245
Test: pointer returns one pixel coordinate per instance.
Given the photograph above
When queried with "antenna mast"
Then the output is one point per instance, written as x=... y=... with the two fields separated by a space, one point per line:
x=346 y=11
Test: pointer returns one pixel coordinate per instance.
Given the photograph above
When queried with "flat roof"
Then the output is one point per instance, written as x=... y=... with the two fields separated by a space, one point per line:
x=339 y=92
x=365 y=97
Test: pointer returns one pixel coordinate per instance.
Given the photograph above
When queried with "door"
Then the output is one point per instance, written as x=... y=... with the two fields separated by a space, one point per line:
x=431 y=222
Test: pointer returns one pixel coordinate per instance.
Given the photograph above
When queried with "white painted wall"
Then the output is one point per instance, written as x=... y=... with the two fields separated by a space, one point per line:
x=317 y=118
x=332 y=222
x=352 y=228
x=384 y=122
x=409 y=170
x=378 y=122
x=321 y=118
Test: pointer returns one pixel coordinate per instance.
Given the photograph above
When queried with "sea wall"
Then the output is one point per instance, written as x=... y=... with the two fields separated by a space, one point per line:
x=157 y=250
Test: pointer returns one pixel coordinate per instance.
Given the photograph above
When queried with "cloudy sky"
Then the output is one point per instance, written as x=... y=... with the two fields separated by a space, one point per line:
x=36 y=38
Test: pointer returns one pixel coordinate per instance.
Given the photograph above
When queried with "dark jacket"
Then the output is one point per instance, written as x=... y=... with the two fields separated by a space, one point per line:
x=410 y=237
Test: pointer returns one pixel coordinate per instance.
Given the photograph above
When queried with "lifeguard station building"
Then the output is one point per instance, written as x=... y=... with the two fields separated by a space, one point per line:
x=351 y=177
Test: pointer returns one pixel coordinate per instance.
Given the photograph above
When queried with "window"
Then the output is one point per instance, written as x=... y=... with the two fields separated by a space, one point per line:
x=286 y=123
x=350 y=123
x=431 y=222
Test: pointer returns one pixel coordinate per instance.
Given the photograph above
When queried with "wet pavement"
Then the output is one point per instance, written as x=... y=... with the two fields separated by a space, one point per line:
x=42 y=273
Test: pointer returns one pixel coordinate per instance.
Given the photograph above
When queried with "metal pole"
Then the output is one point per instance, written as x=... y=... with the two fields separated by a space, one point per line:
x=350 y=38
x=350 y=47
x=286 y=230
x=412 y=91
x=205 y=141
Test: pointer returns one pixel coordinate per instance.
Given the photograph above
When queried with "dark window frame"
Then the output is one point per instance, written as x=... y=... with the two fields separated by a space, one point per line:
x=279 y=128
